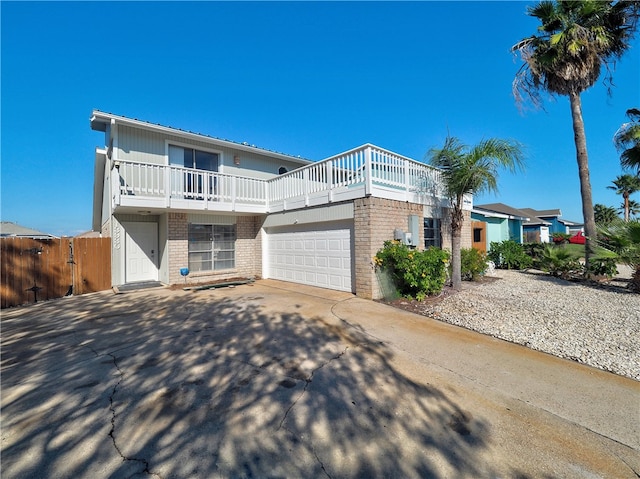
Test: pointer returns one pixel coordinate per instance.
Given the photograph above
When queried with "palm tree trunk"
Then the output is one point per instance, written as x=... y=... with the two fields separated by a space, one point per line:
x=625 y=196
x=457 y=220
x=456 y=275
x=583 y=172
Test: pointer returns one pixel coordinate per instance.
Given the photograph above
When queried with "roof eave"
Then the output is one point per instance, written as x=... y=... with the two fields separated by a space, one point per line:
x=100 y=119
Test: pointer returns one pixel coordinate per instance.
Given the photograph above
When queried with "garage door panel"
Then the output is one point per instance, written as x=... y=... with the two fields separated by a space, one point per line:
x=335 y=263
x=322 y=257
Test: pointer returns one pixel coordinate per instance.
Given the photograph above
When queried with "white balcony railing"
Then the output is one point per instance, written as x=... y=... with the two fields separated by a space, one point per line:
x=367 y=170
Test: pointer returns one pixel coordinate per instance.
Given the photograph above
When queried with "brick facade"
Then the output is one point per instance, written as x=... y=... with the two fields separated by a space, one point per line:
x=178 y=245
x=375 y=220
x=445 y=230
x=249 y=246
x=248 y=250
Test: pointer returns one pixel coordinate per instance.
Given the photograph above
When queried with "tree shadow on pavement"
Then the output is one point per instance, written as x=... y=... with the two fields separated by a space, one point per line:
x=176 y=384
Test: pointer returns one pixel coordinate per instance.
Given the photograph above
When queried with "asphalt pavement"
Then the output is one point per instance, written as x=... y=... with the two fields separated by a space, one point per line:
x=275 y=379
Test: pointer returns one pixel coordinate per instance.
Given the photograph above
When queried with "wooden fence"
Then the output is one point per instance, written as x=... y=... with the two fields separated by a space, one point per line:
x=33 y=270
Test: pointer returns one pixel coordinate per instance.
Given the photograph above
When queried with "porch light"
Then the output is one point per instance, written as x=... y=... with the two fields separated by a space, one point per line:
x=236 y=160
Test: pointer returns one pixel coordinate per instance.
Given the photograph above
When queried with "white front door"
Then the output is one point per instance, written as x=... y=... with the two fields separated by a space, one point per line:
x=141 y=252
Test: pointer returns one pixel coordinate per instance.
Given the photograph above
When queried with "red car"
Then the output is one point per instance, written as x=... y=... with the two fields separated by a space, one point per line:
x=578 y=238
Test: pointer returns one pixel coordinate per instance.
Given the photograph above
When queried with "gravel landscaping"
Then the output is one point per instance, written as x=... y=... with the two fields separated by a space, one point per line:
x=598 y=325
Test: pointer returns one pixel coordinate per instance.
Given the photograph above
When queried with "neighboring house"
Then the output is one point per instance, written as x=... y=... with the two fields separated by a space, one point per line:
x=172 y=199
x=13 y=230
x=501 y=223
x=544 y=223
x=523 y=225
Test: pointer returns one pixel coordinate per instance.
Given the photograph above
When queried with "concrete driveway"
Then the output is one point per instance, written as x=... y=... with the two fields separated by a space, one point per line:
x=280 y=380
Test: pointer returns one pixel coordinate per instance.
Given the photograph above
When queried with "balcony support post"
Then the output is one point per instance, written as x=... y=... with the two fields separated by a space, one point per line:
x=407 y=182
x=330 y=181
x=368 y=180
x=305 y=183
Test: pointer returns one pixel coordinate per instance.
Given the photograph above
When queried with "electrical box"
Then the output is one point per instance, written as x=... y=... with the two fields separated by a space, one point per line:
x=414 y=229
x=404 y=238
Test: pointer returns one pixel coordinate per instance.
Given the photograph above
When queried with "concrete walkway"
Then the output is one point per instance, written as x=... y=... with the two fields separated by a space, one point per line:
x=280 y=380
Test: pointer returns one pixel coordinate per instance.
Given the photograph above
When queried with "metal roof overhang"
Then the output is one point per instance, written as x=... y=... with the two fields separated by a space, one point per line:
x=99 y=121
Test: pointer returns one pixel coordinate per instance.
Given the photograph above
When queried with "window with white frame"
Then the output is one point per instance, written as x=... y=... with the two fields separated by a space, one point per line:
x=194 y=183
x=212 y=247
x=432 y=232
x=192 y=158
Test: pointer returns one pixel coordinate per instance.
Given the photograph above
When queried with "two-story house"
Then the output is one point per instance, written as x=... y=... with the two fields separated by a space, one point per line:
x=172 y=199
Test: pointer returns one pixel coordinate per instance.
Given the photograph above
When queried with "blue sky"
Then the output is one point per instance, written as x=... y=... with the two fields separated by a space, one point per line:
x=308 y=79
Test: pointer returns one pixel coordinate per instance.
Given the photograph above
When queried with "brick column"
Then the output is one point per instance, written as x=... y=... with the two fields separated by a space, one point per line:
x=375 y=220
x=178 y=244
x=248 y=250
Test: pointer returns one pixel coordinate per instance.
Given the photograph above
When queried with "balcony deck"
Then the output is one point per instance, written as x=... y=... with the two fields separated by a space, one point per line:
x=363 y=171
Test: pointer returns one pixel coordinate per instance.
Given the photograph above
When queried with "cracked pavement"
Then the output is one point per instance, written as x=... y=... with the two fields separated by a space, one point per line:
x=281 y=380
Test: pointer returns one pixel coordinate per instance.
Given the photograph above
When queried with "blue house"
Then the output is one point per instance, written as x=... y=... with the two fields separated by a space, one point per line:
x=544 y=223
x=501 y=223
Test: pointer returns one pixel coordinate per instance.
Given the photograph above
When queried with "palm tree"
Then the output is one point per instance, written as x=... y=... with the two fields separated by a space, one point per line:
x=624 y=239
x=471 y=170
x=634 y=208
x=625 y=185
x=575 y=40
x=604 y=214
x=627 y=140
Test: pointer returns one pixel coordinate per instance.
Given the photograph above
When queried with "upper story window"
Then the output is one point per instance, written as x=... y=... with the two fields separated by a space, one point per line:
x=282 y=170
x=192 y=158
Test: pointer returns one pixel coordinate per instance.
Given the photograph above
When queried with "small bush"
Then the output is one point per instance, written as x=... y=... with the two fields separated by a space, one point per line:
x=560 y=261
x=509 y=255
x=603 y=267
x=416 y=274
x=473 y=263
x=533 y=250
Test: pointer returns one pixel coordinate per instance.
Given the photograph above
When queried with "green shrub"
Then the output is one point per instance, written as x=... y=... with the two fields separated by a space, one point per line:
x=533 y=250
x=603 y=267
x=416 y=274
x=560 y=261
x=473 y=263
x=509 y=255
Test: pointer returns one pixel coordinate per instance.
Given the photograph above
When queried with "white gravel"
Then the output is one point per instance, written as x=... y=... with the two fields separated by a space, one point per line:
x=595 y=326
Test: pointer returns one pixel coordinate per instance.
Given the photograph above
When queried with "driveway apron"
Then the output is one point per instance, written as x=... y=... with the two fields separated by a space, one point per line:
x=274 y=379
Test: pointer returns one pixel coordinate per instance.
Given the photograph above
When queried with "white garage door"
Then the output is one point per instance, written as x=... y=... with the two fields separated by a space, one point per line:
x=310 y=254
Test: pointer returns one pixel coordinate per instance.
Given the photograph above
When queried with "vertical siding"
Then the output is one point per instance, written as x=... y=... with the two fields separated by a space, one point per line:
x=163 y=247
x=106 y=193
x=135 y=144
x=140 y=145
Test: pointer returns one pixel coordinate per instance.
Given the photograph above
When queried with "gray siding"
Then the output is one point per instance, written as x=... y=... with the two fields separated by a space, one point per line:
x=106 y=194
x=146 y=146
x=343 y=211
x=163 y=250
